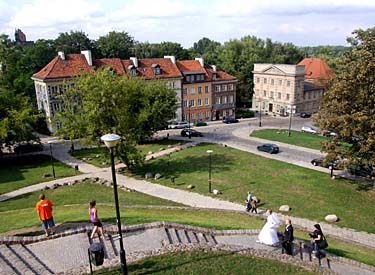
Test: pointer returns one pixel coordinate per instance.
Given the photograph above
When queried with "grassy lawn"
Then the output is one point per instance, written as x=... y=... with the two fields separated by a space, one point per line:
x=23 y=171
x=311 y=194
x=19 y=213
x=296 y=138
x=100 y=156
x=206 y=263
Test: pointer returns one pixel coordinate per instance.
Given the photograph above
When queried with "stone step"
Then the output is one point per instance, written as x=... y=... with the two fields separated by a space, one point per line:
x=18 y=264
x=6 y=267
x=192 y=236
x=31 y=260
x=181 y=235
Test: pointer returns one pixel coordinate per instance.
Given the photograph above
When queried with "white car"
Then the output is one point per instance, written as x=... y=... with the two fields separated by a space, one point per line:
x=179 y=125
x=309 y=129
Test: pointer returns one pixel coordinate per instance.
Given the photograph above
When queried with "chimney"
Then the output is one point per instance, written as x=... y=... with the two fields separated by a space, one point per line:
x=135 y=61
x=171 y=57
x=62 y=55
x=200 y=59
x=213 y=68
x=88 y=56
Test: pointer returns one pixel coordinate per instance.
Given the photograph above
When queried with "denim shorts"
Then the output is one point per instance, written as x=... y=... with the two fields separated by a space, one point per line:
x=48 y=223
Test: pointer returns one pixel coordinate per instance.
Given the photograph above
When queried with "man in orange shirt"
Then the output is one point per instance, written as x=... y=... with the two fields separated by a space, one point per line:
x=44 y=208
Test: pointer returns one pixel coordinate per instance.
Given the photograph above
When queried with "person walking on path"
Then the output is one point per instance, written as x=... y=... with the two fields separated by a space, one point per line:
x=95 y=220
x=288 y=237
x=254 y=205
x=44 y=208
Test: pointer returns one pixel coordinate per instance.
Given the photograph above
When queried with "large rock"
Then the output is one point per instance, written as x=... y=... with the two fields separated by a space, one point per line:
x=284 y=208
x=216 y=192
x=150 y=152
x=331 y=218
x=190 y=186
x=149 y=175
x=157 y=176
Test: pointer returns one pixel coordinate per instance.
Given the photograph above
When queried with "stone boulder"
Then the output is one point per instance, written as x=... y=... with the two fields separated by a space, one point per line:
x=216 y=192
x=284 y=208
x=331 y=218
x=150 y=152
x=157 y=176
x=149 y=175
x=190 y=186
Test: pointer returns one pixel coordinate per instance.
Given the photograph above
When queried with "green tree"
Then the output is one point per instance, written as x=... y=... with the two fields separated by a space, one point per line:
x=103 y=102
x=73 y=42
x=115 y=45
x=349 y=105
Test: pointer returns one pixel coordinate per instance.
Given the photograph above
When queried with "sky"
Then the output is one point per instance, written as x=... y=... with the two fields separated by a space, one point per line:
x=301 y=22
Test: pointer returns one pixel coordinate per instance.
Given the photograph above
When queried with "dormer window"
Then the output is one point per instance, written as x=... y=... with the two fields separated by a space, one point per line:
x=214 y=75
x=156 y=69
x=132 y=70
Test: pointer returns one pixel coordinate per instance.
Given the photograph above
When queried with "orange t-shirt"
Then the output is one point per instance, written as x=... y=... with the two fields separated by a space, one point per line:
x=44 y=209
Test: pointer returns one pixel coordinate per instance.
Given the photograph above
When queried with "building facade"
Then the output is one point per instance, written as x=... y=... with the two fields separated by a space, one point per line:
x=280 y=89
x=190 y=80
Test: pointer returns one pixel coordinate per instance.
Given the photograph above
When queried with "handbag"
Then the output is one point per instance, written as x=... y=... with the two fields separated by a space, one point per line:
x=323 y=243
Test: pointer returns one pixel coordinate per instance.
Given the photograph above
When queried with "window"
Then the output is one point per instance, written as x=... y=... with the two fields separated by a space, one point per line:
x=206 y=101
x=265 y=81
x=230 y=87
x=280 y=82
x=199 y=90
x=287 y=96
x=258 y=79
x=271 y=94
x=231 y=99
x=223 y=88
x=217 y=88
x=264 y=93
x=207 y=115
x=199 y=102
x=218 y=100
x=279 y=95
x=185 y=91
x=192 y=91
x=206 y=89
x=156 y=70
x=272 y=82
x=288 y=83
x=224 y=113
x=191 y=103
x=224 y=99
x=200 y=115
x=192 y=116
x=185 y=103
x=133 y=72
x=230 y=112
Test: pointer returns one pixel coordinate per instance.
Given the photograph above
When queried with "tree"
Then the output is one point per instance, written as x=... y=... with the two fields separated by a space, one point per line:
x=103 y=102
x=349 y=105
x=159 y=50
x=116 y=45
x=73 y=42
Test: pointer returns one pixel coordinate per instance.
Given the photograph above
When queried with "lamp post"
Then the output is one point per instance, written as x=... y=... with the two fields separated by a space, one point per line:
x=52 y=162
x=209 y=170
x=189 y=122
x=260 y=114
x=111 y=140
x=291 y=111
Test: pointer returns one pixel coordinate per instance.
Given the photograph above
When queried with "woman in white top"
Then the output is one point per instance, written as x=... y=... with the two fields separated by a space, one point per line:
x=268 y=234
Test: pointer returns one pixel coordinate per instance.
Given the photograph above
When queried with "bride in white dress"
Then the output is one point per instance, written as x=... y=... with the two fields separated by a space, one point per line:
x=268 y=234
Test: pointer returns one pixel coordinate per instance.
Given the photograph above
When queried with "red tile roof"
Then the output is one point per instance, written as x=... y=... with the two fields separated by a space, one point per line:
x=73 y=65
x=167 y=68
x=221 y=75
x=316 y=68
x=114 y=63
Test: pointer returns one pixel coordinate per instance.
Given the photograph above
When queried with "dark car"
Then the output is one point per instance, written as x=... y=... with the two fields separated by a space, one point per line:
x=230 y=120
x=269 y=148
x=328 y=133
x=191 y=133
x=361 y=170
x=27 y=148
x=305 y=115
x=201 y=123
x=321 y=162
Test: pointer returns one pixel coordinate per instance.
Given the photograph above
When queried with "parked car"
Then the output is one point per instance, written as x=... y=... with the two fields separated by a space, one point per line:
x=21 y=148
x=361 y=170
x=228 y=120
x=309 y=129
x=201 y=123
x=191 y=132
x=269 y=148
x=327 y=133
x=305 y=114
x=321 y=162
x=178 y=125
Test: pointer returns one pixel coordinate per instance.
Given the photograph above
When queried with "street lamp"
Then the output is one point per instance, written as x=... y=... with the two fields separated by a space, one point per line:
x=189 y=122
x=111 y=140
x=209 y=170
x=260 y=114
x=291 y=111
x=52 y=162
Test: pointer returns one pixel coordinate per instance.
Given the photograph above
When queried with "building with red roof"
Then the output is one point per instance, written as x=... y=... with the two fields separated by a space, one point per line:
x=316 y=71
x=196 y=79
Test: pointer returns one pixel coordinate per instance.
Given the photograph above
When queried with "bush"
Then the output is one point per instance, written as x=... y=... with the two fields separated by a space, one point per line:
x=244 y=113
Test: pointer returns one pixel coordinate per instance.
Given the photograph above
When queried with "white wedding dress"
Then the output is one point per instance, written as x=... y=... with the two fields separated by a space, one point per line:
x=268 y=234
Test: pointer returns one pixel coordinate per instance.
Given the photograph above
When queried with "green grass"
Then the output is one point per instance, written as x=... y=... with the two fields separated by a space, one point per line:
x=296 y=138
x=197 y=263
x=19 y=172
x=311 y=194
x=99 y=157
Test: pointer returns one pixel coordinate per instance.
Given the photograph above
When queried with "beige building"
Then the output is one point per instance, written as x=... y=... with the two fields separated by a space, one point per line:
x=278 y=88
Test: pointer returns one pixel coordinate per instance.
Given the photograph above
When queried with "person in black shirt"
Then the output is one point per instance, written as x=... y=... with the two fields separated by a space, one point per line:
x=288 y=237
x=317 y=236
